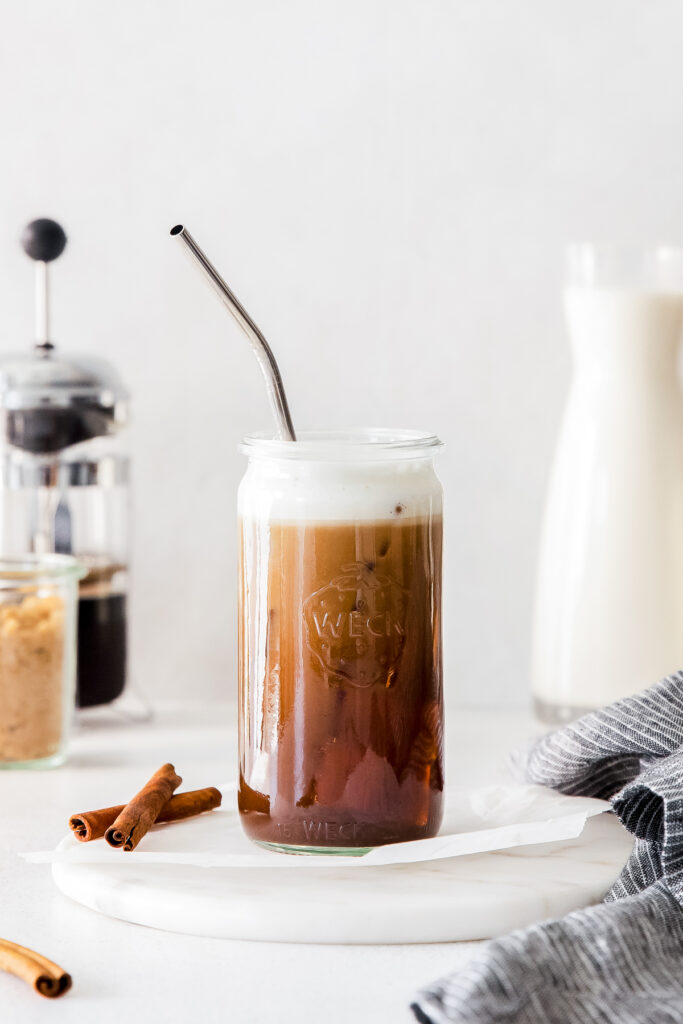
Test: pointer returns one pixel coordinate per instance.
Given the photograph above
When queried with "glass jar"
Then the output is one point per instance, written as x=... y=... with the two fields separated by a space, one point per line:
x=38 y=597
x=340 y=678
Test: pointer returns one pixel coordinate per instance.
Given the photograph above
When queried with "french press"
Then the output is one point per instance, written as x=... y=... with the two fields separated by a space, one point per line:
x=64 y=476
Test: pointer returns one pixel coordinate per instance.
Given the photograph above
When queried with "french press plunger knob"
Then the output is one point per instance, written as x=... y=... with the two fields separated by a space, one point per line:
x=43 y=240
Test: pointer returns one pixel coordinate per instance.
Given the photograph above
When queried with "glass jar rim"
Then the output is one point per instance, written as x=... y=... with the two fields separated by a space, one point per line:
x=33 y=568
x=355 y=444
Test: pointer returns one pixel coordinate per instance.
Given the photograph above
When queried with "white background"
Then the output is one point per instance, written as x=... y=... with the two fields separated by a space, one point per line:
x=388 y=186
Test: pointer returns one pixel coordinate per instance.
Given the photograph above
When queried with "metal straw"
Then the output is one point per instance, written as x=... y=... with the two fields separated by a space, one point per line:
x=262 y=350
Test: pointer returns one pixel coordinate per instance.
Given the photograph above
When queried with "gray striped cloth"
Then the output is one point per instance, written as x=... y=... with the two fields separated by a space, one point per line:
x=620 y=962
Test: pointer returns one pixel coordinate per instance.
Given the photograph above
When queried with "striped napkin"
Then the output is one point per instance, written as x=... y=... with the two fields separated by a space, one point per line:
x=620 y=962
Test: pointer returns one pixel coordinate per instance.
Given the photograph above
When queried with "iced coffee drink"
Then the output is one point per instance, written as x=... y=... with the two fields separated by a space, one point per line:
x=341 y=707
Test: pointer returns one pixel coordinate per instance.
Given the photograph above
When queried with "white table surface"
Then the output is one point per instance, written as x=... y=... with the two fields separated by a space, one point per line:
x=173 y=977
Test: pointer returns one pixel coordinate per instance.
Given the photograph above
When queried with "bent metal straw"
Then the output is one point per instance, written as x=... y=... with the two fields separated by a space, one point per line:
x=262 y=350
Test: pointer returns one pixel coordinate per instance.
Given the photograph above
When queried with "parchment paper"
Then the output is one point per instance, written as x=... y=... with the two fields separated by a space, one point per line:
x=476 y=821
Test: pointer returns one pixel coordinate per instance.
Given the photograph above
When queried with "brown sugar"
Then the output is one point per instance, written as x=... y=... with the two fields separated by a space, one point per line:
x=31 y=677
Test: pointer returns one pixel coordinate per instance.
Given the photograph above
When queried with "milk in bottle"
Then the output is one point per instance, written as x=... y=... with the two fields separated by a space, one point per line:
x=609 y=600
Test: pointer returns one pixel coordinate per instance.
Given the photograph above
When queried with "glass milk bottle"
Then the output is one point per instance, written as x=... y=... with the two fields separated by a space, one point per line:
x=609 y=600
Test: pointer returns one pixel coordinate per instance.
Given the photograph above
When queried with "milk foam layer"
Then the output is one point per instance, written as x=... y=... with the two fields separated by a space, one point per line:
x=288 y=490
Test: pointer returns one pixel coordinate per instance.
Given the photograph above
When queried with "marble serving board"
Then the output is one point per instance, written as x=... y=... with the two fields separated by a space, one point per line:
x=456 y=898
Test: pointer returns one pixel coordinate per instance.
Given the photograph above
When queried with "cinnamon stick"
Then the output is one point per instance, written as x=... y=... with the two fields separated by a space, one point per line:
x=47 y=978
x=138 y=816
x=93 y=824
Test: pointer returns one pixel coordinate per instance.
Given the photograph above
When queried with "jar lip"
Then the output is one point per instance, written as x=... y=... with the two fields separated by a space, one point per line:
x=357 y=443
x=39 y=567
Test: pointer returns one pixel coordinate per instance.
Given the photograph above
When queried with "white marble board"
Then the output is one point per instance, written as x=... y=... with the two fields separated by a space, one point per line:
x=461 y=898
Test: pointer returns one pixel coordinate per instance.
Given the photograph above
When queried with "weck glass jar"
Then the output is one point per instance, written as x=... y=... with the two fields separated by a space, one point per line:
x=38 y=598
x=340 y=677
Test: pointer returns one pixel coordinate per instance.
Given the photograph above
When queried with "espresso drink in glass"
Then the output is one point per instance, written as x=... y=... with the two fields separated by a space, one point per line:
x=340 y=688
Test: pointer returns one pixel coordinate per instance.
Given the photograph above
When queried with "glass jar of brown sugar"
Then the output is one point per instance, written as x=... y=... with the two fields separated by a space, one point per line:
x=38 y=597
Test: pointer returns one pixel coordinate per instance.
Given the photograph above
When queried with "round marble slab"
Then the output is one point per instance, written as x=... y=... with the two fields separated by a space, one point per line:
x=473 y=897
